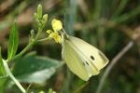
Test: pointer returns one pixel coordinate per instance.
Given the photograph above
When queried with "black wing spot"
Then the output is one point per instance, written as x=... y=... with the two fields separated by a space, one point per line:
x=87 y=63
x=92 y=57
x=83 y=63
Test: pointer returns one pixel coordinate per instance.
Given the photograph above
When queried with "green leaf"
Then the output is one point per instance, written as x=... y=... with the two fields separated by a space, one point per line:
x=35 y=69
x=2 y=70
x=13 y=41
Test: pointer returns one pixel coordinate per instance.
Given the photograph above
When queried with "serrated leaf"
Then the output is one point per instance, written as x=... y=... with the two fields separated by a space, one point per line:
x=2 y=70
x=13 y=41
x=35 y=69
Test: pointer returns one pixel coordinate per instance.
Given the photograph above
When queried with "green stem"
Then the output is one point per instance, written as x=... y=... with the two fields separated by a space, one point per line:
x=23 y=51
x=98 y=7
x=111 y=65
x=128 y=16
x=43 y=39
x=30 y=44
x=12 y=77
x=120 y=8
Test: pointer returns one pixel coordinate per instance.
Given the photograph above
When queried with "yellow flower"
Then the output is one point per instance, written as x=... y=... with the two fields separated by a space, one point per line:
x=57 y=26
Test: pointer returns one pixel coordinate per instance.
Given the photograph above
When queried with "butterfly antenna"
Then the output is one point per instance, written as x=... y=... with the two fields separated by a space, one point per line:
x=64 y=34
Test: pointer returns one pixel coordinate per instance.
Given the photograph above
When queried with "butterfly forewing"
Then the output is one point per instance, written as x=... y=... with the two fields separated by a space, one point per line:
x=73 y=60
x=96 y=57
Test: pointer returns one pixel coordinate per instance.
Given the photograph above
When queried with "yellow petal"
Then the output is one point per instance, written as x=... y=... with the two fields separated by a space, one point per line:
x=56 y=25
x=57 y=37
x=49 y=31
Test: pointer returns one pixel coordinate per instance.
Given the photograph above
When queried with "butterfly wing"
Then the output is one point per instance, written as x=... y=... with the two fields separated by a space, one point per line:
x=94 y=57
x=73 y=60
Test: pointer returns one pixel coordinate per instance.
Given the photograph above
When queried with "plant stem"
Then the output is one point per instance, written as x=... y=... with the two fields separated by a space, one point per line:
x=30 y=44
x=23 y=51
x=43 y=39
x=112 y=63
x=12 y=77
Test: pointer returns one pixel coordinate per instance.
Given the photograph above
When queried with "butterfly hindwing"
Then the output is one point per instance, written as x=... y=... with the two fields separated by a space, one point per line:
x=74 y=61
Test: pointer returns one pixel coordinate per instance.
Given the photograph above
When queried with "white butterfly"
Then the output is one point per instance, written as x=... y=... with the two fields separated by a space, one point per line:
x=83 y=59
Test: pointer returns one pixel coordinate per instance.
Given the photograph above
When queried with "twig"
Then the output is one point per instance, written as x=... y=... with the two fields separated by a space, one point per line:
x=112 y=63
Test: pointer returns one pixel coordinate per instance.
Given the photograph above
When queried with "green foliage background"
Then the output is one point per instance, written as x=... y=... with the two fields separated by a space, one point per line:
x=107 y=24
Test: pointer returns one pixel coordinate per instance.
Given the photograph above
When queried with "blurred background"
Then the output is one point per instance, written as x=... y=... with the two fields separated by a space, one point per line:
x=110 y=25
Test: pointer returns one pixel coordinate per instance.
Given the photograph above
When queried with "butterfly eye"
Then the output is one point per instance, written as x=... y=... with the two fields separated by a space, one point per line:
x=92 y=57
